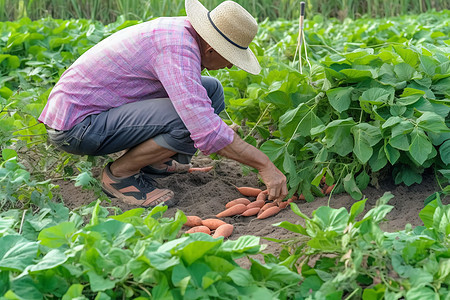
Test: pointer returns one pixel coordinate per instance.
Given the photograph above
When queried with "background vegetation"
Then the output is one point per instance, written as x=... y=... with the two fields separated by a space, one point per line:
x=107 y=11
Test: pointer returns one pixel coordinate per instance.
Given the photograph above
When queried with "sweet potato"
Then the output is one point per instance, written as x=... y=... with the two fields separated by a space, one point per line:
x=232 y=211
x=249 y=191
x=267 y=205
x=329 y=189
x=282 y=205
x=301 y=197
x=269 y=212
x=244 y=201
x=224 y=230
x=204 y=169
x=262 y=195
x=200 y=228
x=251 y=211
x=193 y=221
x=257 y=203
x=212 y=224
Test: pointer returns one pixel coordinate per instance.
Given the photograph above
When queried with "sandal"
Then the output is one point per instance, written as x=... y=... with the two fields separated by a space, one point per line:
x=138 y=189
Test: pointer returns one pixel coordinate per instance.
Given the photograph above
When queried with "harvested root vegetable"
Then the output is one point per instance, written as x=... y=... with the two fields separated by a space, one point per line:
x=262 y=195
x=267 y=205
x=244 y=201
x=200 y=228
x=329 y=189
x=282 y=205
x=223 y=230
x=251 y=211
x=193 y=221
x=232 y=211
x=301 y=197
x=257 y=203
x=249 y=191
x=204 y=169
x=271 y=211
x=213 y=224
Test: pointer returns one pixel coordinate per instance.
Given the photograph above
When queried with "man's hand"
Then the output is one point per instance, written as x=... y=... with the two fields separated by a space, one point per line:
x=246 y=154
x=275 y=182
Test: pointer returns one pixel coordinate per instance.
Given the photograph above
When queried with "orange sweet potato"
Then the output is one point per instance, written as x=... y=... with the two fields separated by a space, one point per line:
x=232 y=211
x=251 y=211
x=203 y=169
x=329 y=189
x=244 y=201
x=269 y=212
x=282 y=205
x=249 y=191
x=223 y=230
x=200 y=228
x=257 y=203
x=267 y=205
x=262 y=195
x=193 y=221
x=212 y=224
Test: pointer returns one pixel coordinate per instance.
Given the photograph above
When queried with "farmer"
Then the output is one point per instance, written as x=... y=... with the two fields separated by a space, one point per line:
x=141 y=90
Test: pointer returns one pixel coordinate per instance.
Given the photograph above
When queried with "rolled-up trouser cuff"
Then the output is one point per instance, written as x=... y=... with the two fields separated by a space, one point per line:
x=183 y=156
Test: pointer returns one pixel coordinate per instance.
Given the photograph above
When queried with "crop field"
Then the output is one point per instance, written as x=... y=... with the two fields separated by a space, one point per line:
x=347 y=109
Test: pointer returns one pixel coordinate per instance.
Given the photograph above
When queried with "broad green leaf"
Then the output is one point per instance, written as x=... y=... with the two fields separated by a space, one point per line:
x=340 y=98
x=392 y=154
x=409 y=56
x=351 y=187
x=241 y=277
x=430 y=121
x=58 y=235
x=404 y=71
x=378 y=160
x=279 y=99
x=196 y=249
x=114 y=231
x=357 y=75
x=292 y=227
x=74 y=292
x=299 y=120
x=246 y=244
x=99 y=283
x=8 y=154
x=51 y=260
x=444 y=151
x=420 y=293
x=420 y=146
x=16 y=253
x=377 y=96
x=356 y=209
x=404 y=127
x=428 y=65
x=407 y=176
x=331 y=219
x=25 y=288
x=361 y=147
x=274 y=149
x=400 y=142
x=408 y=92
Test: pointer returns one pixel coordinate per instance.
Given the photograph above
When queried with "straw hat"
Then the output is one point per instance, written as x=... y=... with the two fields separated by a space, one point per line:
x=228 y=29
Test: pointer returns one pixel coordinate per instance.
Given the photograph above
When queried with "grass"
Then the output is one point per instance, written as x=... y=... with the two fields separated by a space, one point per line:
x=107 y=11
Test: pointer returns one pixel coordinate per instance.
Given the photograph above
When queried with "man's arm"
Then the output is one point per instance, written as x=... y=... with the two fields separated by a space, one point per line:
x=248 y=155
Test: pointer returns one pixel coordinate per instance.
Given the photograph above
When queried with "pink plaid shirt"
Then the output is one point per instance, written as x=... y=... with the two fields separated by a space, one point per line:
x=159 y=58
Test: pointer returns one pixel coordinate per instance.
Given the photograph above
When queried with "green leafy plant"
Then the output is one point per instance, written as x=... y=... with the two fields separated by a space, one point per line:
x=136 y=254
x=341 y=255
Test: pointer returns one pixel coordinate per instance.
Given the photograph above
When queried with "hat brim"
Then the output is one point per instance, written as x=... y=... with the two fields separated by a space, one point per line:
x=244 y=59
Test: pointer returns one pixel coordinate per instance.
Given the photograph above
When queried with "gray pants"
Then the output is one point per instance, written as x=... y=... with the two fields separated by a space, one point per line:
x=131 y=124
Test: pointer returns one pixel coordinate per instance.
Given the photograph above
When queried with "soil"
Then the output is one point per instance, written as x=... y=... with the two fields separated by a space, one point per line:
x=205 y=195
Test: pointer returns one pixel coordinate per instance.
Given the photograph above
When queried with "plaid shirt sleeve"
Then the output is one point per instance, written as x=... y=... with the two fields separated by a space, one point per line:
x=178 y=69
